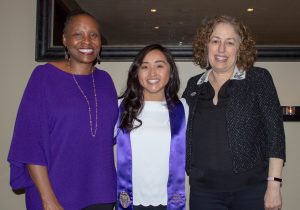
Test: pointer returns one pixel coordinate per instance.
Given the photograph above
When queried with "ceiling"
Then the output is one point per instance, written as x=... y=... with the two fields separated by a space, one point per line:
x=130 y=22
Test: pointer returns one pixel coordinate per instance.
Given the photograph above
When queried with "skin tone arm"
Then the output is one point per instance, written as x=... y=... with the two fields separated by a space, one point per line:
x=39 y=175
x=272 y=198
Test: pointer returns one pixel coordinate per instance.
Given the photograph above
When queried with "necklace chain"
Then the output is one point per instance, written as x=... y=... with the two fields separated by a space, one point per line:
x=93 y=131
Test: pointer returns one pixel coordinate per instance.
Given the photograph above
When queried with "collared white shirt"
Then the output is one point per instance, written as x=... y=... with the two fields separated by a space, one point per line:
x=237 y=75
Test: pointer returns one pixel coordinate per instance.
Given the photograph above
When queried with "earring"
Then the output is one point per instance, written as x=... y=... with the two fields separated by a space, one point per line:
x=67 y=55
x=98 y=58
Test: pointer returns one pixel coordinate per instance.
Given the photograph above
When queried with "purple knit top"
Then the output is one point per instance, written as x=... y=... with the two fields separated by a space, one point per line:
x=52 y=129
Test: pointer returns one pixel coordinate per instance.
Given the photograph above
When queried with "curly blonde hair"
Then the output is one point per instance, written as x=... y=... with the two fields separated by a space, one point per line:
x=247 y=50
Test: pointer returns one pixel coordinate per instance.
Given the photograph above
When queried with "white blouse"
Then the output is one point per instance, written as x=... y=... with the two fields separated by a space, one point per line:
x=150 y=145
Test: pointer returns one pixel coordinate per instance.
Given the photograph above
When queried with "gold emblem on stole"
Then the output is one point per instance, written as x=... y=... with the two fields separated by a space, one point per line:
x=124 y=199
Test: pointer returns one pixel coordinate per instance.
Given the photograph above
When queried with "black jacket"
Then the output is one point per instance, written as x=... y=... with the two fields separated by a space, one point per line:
x=253 y=117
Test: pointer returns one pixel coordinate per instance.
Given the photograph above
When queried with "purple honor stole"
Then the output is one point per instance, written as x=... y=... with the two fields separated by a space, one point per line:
x=176 y=180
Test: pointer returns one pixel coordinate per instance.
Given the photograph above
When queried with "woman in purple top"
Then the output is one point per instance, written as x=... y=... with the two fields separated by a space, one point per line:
x=62 y=147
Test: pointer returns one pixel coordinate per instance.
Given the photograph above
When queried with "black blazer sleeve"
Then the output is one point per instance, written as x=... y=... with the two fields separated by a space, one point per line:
x=272 y=114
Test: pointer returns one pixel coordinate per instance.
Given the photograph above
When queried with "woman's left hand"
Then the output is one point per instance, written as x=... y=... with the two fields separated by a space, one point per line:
x=272 y=197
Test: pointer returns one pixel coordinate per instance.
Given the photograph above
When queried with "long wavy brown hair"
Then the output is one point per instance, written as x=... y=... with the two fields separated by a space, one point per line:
x=247 y=50
x=133 y=97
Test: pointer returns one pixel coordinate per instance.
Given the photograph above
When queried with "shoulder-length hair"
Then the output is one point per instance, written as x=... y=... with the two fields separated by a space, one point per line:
x=247 y=50
x=133 y=97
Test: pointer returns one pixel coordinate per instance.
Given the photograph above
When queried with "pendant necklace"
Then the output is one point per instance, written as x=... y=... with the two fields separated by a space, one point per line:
x=93 y=131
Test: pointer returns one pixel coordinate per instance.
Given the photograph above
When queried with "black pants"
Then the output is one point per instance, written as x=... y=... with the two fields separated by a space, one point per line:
x=105 y=206
x=140 y=207
x=251 y=198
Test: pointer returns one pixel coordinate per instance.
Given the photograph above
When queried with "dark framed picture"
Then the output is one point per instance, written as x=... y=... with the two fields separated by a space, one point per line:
x=127 y=26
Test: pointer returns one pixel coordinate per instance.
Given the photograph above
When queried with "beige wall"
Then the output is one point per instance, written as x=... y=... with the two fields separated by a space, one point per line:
x=17 y=23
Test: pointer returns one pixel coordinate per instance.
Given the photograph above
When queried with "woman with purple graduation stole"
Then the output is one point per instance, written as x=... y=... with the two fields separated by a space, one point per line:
x=151 y=135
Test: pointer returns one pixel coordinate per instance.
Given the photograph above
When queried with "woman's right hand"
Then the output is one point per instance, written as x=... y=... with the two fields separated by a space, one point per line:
x=52 y=205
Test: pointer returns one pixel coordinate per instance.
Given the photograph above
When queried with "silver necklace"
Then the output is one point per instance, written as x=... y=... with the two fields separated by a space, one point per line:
x=93 y=131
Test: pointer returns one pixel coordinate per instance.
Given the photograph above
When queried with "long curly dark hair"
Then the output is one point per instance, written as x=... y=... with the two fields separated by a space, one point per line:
x=247 y=49
x=133 y=97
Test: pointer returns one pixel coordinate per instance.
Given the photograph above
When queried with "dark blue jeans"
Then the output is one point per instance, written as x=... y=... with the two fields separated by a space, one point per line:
x=251 y=198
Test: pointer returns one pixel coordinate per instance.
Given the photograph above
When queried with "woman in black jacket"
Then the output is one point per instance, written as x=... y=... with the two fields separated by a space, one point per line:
x=235 y=136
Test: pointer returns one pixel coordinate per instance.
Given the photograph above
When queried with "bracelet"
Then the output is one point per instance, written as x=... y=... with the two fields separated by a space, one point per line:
x=272 y=178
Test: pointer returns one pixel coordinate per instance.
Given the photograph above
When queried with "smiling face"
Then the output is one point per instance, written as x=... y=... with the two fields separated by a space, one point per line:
x=154 y=75
x=223 y=48
x=82 y=39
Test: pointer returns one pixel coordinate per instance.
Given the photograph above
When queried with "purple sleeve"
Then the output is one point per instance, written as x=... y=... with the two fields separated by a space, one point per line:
x=30 y=132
